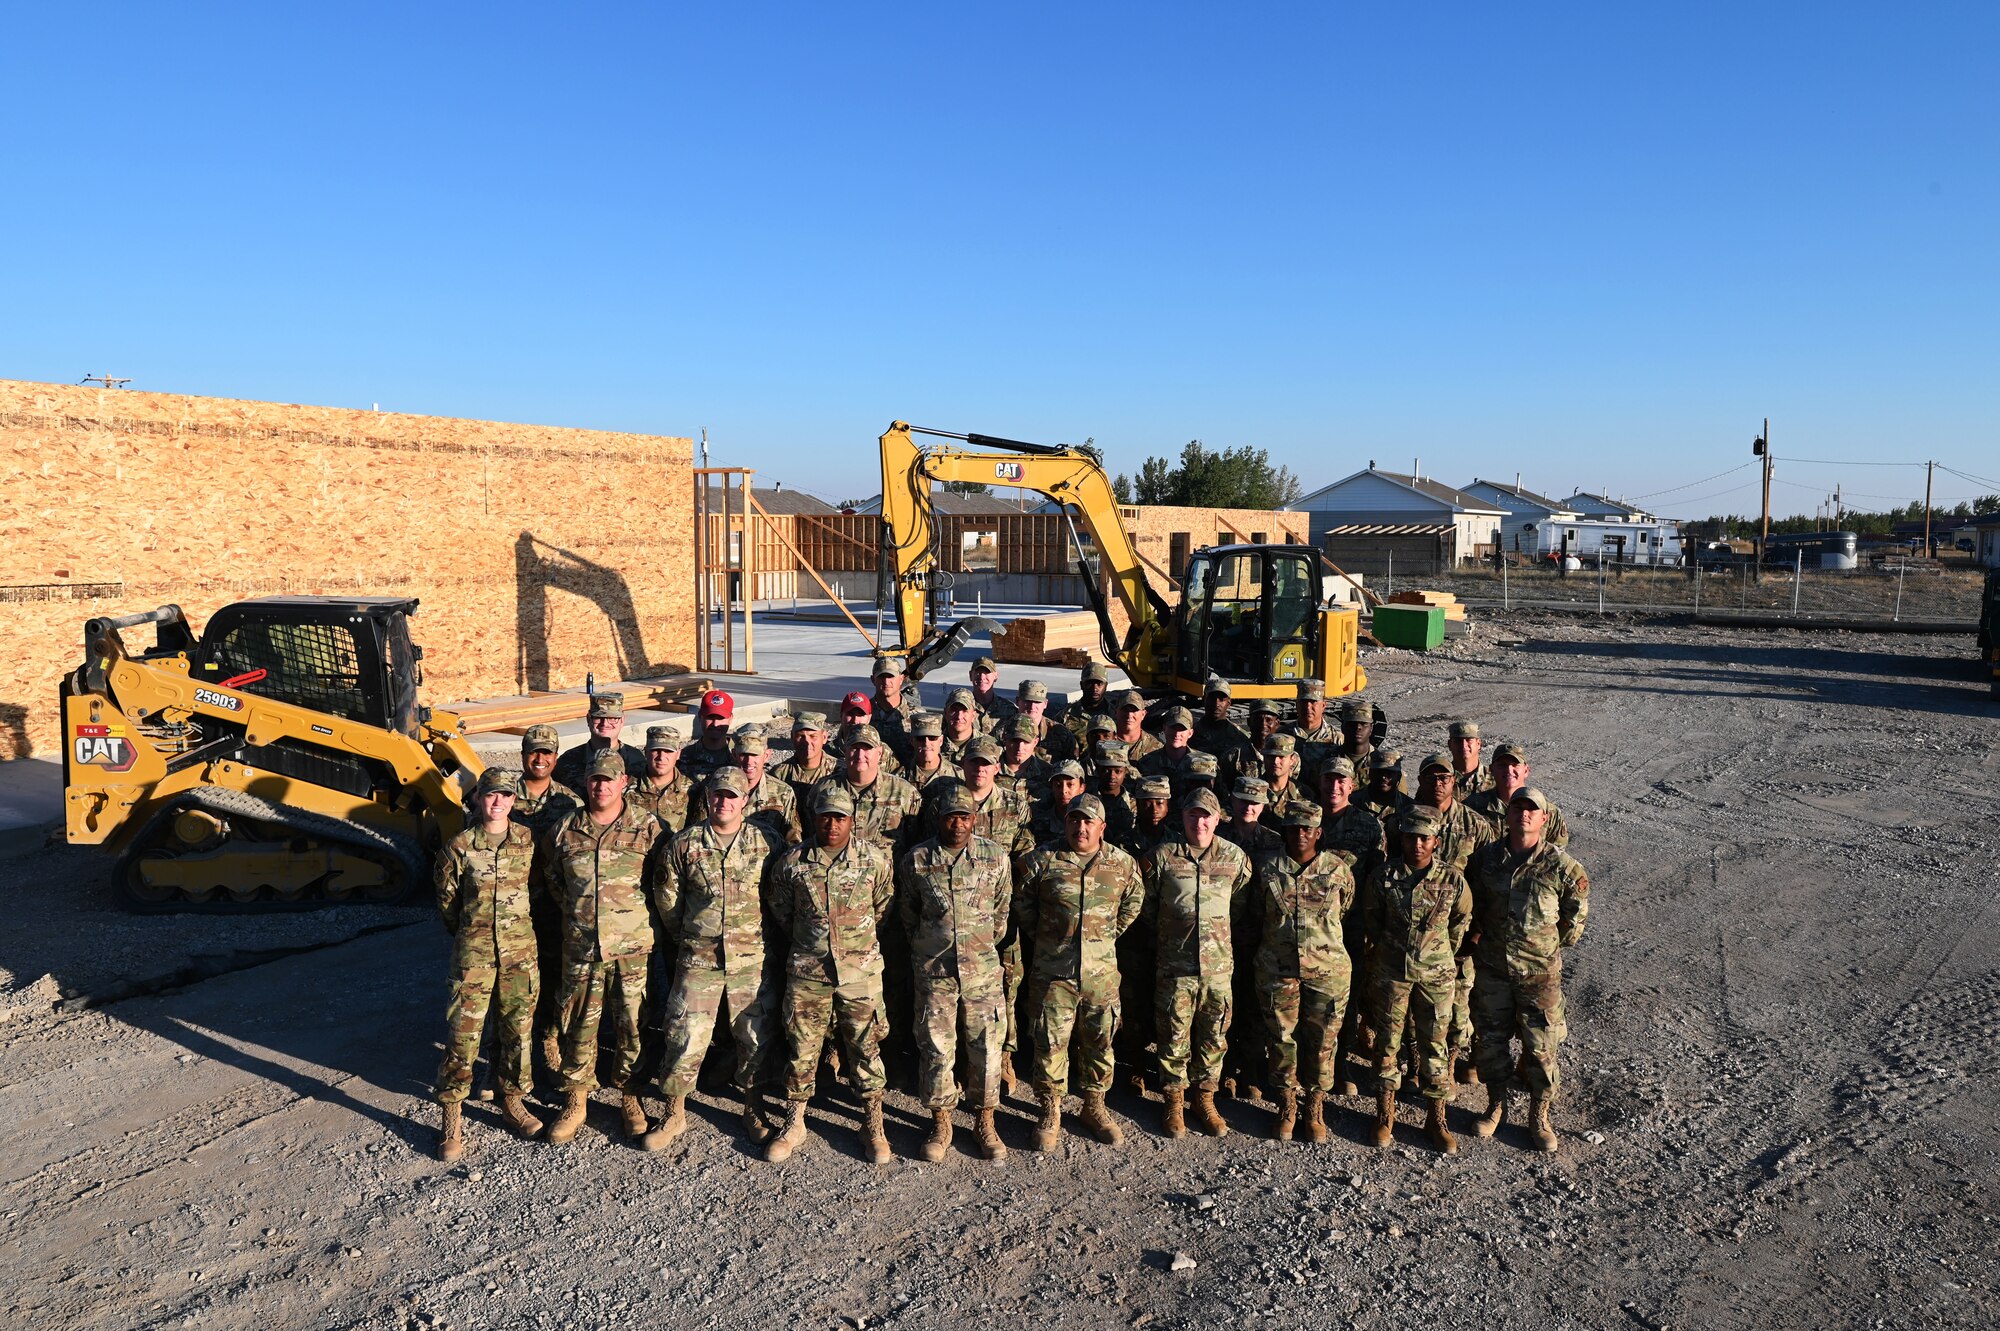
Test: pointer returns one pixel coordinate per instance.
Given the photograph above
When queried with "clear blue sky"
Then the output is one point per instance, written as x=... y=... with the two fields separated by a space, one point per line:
x=1594 y=244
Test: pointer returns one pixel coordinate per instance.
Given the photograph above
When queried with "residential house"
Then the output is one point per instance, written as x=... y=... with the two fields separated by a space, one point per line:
x=1375 y=516
x=1525 y=511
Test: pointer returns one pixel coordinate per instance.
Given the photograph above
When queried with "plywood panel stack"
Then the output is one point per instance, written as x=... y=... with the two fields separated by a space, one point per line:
x=522 y=541
x=1064 y=640
x=1452 y=609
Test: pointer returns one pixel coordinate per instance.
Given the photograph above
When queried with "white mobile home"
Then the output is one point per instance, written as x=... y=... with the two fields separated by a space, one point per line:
x=1656 y=541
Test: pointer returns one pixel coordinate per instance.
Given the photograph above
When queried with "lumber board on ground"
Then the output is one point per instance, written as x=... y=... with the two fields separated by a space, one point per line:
x=516 y=714
x=1063 y=640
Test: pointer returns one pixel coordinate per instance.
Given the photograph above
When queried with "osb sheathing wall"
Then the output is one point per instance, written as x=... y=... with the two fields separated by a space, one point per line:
x=539 y=553
x=1153 y=526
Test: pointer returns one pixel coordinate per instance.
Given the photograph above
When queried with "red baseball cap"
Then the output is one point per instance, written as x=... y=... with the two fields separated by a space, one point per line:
x=717 y=703
x=858 y=699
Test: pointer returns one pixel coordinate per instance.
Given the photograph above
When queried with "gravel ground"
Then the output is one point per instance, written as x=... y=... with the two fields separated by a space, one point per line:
x=1781 y=1108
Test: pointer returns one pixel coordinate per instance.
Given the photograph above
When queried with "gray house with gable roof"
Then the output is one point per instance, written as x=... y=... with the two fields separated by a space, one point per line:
x=1526 y=511
x=1387 y=506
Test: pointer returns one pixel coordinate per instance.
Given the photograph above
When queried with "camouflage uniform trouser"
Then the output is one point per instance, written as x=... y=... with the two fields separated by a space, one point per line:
x=948 y=1012
x=1193 y=1013
x=1303 y=1022
x=1062 y=1015
x=1136 y=999
x=1427 y=1006
x=1011 y=970
x=509 y=987
x=1461 y=1034
x=701 y=998
x=602 y=1001
x=1530 y=1007
x=852 y=1013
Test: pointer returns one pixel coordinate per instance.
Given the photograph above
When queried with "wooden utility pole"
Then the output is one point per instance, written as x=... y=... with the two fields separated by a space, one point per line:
x=1763 y=450
x=1929 y=468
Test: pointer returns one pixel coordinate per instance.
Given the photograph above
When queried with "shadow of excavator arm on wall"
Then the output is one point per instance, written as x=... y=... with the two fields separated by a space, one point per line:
x=540 y=568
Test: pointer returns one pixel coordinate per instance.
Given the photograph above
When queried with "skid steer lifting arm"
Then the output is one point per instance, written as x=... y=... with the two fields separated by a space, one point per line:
x=1069 y=476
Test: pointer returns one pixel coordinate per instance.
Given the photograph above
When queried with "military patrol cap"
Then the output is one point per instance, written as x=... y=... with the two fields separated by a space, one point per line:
x=960 y=698
x=1249 y=788
x=927 y=725
x=957 y=799
x=607 y=704
x=1156 y=788
x=1068 y=767
x=1339 y=766
x=1385 y=760
x=1022 y=727
x=834 y=799
x=1354 y=709
x=541 y=739
x=809 y=721
x=1421 y=819
x=608 y=762
x=1217 y=685
x=887 y=666
x=1201 y=764
x=1103 y=723
x=1095 y=671
x=1441 y=761
x=1110 y=754
x=1032 y=690
x=1177 y=718
x=865 y=737
x=1264 y=707
x=1204 y=799
x=1086 y=806
x=1464 y=730
x=1130 y=698
x=984 y=749
x=1511 y=752
x=661 y=737
x=729 y=781
x=1527 y=795
x=985 y=664
x=749 y=741
x=499 y=781
x=1300 y=814
x=1313 y=690
x=1283 y=745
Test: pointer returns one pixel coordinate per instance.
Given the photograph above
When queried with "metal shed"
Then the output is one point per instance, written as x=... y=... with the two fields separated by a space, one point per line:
x=1380 y=550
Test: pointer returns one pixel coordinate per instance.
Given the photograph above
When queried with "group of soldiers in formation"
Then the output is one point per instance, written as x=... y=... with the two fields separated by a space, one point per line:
x=1206 y=907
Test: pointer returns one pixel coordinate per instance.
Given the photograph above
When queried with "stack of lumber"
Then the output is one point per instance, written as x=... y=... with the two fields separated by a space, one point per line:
x=1452 y=609
x=513 y=716
x=1060 y=640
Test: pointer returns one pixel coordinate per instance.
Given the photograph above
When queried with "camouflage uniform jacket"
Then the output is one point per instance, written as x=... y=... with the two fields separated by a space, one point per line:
x=1468 y=784
x=1054 y=743
x=666 y=801
x=953 y=750
x=1489 y=805
x=484 y=893
x=698 y=764
x=1255 y=840
x=1032 y=777
x=1190 y=895
x=1291 y=797
x=923 y=777
x=597 y=878
x=1121 y=815
x=1138 y=750
x=887 y=811
x=802 y=779
x=1416 y=921
x=570 y=766
x=830 y=907
x=1463 y=832
x=1527 y=908
x=1071 y=908
x=1002 y=818
x=540 y=813
x=1315 y=745
x=1387 y=811
x=954 y=906
x=1302 y=908
x=1075 y=719
x=990 y=715
x=893 y=725
x=1141 y=840
x=1356 y=833
x=1219 y=737
x=1163 y=761
x=1046 y=821
x=773 y=805
x=710 y=896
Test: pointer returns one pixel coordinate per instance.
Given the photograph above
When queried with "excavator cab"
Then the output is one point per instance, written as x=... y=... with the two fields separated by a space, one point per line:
x=1251 y=614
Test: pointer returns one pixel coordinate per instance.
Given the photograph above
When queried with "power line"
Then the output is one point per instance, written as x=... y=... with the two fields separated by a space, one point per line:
x=1965 y=476
x=1691 y=484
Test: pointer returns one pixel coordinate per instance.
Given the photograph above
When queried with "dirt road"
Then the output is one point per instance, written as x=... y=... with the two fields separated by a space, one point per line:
x=1783 y=1104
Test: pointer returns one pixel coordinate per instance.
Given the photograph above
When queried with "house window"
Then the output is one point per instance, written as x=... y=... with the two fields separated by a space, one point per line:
x=1256 y=538
x=979 y=551
x=1178 y=549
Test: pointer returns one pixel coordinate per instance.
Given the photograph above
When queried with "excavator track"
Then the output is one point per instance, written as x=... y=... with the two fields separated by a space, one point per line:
x=264 y=857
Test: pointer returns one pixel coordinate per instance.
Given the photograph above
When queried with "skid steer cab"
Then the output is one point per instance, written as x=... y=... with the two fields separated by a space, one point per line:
x=281 y=759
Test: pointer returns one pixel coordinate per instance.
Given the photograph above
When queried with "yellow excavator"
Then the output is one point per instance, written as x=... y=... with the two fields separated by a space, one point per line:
x=279 y=760
x=1256 y=615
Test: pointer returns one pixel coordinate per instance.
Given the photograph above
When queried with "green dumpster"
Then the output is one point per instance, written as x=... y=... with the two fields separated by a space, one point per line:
x=1417 y=627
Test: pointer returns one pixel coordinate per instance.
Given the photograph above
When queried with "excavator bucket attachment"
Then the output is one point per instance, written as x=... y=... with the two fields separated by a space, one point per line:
x=940 y=648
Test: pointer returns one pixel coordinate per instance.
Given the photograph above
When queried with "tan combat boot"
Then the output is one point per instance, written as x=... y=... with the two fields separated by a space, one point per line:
x=1173 y=1119
x=1006 y=1074
x=1489 y=1122
x=632 y=1117
x=1468 y=1071
x=1288 y=1115
x=1097 y=1120
x=873 y=1138
x=1315 y=1115
x=1438 y=1131
x=755 y=1127
x=988 y=1134
x=1048 y=1132
x=514 y=1112
x=576 y=1104
x=451 y=1138
x=939 y=1141
x=552 y=1052
x=670 y=1127
x=1205 y=1115
x=1385 y=1116
x=1540 y=1129
x=791 y=1136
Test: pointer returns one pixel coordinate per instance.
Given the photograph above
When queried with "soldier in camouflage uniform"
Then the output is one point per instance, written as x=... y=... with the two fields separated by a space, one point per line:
x=661 y=790
x=1092 y=683
x=484 y=879
x=885 y=810
x=1281 y=773
x=542 y=803
x=1460 y=832
x=1508 y=772
x=989 y=706
x=594 y=866
x=999 y=815
x=828 y=901
x=954 y=893
x=1247 y=828
x=1022 y=767
x=857 y=712
x=1101 y=729
x=768 y=801
x=1265 y=719
x=963 y=723
x=1357 y=736
x=708 y=753
x=1050 y=819
x=1383 y=794
x=1304 y=974
x=1419 y=910
x=1194 y=884
x=1137 y=975
x=607 y=723
x=1346 y=828
x=1170 y=760
x=1318 y=738
x=1073 y=899
x=1052 y=742
x=927 y=764
x=811 y=761
x=1199 y=774
x=1215 y=733
x=1105 y=778
x=708 y=891
x=1468 y=775
x=1244 y=827
x=1128 y=709
x=893 y=707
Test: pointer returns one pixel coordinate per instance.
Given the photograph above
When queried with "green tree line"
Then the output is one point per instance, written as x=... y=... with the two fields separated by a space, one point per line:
x=1723 y=526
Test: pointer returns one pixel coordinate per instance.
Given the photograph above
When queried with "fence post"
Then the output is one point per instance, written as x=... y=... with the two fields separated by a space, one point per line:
x=1391 y=576
x=1600 y=579
x=1798 y=572
x=1901 y=569
x=1697 y=585
x=1505 y=602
